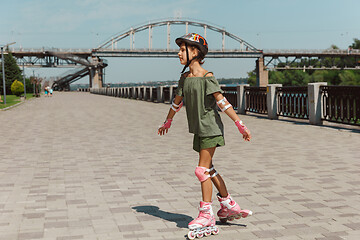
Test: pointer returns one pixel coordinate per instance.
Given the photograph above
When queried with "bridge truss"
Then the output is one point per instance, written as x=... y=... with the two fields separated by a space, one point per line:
x=112 y=43
x=330 y=59
x=51 y=58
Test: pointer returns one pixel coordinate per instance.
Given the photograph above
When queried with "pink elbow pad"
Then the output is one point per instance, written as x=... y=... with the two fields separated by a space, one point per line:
x=175 y=107
x=242 y=128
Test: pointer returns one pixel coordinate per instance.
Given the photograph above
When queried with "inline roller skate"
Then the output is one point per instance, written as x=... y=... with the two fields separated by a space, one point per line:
x=230 y=210
x=204 y=224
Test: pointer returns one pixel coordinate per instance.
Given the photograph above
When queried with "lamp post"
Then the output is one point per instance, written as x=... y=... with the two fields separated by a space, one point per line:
x=24 y=81
x=3 y=68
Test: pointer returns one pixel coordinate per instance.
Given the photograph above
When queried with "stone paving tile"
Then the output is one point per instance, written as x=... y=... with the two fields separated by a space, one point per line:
x=82 y=166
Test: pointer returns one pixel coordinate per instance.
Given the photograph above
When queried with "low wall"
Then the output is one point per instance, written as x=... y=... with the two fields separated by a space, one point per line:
x=316 y=102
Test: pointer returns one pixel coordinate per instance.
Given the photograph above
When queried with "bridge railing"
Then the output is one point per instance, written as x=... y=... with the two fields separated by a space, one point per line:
x=341 y=104
x=61 y=50
x=256 y=100
x=334 y=103
x=231 y=95
x=312 y=51
x=292 y=102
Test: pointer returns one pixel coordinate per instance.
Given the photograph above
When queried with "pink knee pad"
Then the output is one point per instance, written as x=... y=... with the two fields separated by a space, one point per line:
x=200 y=173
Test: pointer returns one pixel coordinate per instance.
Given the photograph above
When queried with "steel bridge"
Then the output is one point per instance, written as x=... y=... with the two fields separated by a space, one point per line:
x=90 y=61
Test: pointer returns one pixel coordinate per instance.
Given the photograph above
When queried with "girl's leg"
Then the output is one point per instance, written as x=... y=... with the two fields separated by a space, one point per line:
x=229 y=208
x=206 y=156
x=219 y=184
x=205 y=160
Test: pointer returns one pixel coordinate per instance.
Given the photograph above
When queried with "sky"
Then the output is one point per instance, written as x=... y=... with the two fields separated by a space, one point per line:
x=265 y=24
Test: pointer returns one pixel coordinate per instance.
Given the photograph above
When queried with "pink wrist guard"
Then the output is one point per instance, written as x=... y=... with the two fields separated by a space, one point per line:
x=167 y=123
x=242 y=128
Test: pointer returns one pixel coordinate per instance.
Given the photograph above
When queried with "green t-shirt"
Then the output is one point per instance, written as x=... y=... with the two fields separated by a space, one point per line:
x=203 y=117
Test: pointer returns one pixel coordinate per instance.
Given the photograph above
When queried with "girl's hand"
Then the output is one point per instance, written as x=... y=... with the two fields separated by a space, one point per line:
x=162 y=131
x=165 y=127
x=246 y=135
x=243 y=130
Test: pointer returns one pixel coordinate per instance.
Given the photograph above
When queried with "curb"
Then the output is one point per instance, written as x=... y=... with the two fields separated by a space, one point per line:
x=15 y=105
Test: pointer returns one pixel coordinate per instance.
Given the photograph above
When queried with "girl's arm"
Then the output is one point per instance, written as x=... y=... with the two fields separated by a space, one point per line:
x=175 y=107
x=232 y=114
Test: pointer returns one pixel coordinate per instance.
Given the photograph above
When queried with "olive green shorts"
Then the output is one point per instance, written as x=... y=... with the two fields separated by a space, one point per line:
x=207 y=142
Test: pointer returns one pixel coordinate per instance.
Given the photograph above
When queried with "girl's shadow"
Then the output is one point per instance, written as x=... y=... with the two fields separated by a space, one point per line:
x=181 y=220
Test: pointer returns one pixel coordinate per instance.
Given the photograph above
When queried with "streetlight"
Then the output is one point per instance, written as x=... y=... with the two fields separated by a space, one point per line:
x=24 y=81
x=3 y=67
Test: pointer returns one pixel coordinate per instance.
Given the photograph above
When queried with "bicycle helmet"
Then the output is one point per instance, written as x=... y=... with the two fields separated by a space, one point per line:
x=195 y=40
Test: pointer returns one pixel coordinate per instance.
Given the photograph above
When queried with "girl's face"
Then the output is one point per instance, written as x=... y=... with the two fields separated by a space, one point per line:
x=182 y=53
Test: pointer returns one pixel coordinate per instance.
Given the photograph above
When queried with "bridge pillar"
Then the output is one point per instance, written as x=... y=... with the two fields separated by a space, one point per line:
x=96 y=73
x=262 y=75
x=96 y=77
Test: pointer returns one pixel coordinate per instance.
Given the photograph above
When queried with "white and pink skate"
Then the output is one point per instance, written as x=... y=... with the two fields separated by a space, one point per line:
x=204 y=224
x=230 y=210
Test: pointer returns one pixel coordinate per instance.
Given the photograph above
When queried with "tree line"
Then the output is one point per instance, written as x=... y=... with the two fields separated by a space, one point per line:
x=13 y=73
x=303 y=77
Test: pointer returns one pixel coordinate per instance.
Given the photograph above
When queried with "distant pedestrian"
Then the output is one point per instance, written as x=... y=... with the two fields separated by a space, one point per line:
x=51 y=92
x=46 y=91
x=201 y=92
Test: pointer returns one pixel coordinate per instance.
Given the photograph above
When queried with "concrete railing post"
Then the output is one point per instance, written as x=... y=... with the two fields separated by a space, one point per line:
x=133 y=93
x=241 y=98
x=139 y=93
x=145 y=95
x=160 y=94
x=171 y=93
x=315 y=103
x=150 y=97
x=271 y=100
x=127 y=92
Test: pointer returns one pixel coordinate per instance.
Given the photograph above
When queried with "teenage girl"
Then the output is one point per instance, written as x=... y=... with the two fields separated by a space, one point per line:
x=201 y=92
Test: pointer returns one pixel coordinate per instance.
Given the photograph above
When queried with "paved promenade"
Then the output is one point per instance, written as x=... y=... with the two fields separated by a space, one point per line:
x=83 y=166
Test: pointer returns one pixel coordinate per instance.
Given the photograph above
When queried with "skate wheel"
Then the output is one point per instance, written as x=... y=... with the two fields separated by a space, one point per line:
x=199 y=235
x=207 y=233
x=216 y=231
x=191 y=235
x=223 y=220
x=231 y=218
x=238 y=216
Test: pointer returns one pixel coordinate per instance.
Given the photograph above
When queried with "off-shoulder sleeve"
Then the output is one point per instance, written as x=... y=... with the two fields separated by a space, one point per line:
x=212 y=86
x=179 y=90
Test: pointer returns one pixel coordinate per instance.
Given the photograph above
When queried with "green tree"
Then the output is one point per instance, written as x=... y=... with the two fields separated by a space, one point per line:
x=296 y=78
x=318 y=76
x=29 y=86
x=17 y=88
x=356 y=44
x=349 y=77
x=12 y=72
x=252 y=78
x=331 y=76
x=276 y=77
